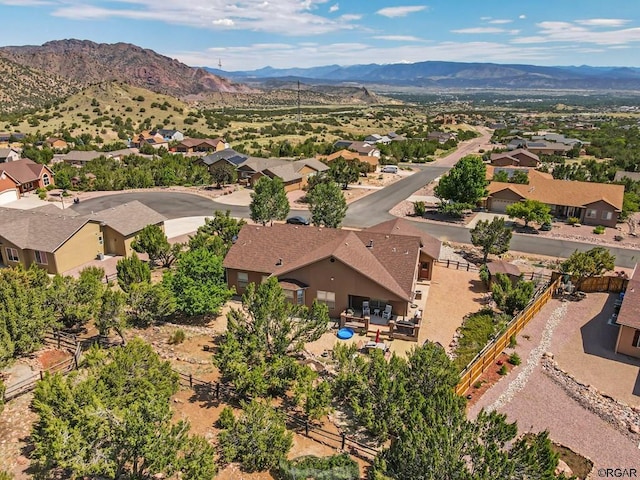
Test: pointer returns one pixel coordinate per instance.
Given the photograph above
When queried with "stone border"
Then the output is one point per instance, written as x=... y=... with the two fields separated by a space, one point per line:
x=619 y=415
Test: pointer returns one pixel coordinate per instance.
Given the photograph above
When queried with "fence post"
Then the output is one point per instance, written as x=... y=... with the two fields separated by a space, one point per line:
x=448 y=262
x=344 y=438
x=218 y=391
x=306 y=427
x=58 y=339
x=190 y=381
x=468 y=265
x=41 y=376
x=106 y=278
x=457 y=265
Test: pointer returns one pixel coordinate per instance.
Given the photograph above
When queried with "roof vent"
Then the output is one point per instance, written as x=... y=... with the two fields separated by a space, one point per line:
x=279 y=262
x=370 y=244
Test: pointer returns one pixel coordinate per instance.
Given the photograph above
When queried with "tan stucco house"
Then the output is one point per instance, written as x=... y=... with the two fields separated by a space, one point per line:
x=592 y=203
x=628 y=342
x=341 y=268
x=59 y=240
x=349 y=156
x=294 y=174
x=518 y=158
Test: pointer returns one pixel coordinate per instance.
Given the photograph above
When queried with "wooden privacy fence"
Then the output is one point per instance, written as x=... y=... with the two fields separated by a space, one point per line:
x=226 y=392
x=470 y=267
x=485 y=359
x=58 y=340
x=607 y=283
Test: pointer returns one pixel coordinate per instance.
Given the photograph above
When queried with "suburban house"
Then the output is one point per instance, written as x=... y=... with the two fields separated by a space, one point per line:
x=628 y=342
x=58 y=240
x=440 y=137
x=196 y=145
x=121 y=224
x=155 y=139
x=621 y=175
x=81 y=157
x=349 y=156
x=374 y=269
x=363 y=148
x=56 y=143
x=294 y=174
x=592 y=203
x=9 y=155
x=542 y=147
x=169 y=135
x=376 y=138
x=6 y=138
x=517 y=158
x=227 y=155
x=124 y=152
x=22 y=176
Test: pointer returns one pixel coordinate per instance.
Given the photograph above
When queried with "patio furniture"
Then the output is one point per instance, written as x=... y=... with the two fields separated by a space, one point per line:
x=369 y=346
x=376 y=312
x=386 y=315
x=365 y=309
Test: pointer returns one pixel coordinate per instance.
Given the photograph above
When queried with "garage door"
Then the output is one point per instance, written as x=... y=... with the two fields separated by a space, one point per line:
x=8 y=196
x=499 y=205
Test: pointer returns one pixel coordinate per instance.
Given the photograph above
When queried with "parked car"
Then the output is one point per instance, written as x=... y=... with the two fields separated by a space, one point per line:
x=546 y=227
x=297 y=220
x=389 y=169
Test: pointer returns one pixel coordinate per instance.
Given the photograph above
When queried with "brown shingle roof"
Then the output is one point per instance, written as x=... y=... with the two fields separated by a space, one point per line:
x=569 y=193
x=629 y=314
x=128 y=218
x=81 y=156
x=37 y=230
x=193 y=142
x=398 y=226
x=390 y=262
x=23 y=170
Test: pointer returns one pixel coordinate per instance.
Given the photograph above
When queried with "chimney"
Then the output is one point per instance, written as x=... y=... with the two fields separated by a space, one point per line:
x=370 y=244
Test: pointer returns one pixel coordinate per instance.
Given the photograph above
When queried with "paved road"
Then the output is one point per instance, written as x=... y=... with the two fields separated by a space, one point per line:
x=367 y=211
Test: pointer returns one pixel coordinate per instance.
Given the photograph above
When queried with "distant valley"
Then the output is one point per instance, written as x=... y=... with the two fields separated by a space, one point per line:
x=453 y=75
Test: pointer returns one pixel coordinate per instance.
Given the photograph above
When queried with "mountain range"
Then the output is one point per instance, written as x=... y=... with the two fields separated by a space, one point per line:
x=437 y=74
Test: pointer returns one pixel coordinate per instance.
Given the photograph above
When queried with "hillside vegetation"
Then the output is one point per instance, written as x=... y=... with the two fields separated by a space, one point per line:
x=25 y=88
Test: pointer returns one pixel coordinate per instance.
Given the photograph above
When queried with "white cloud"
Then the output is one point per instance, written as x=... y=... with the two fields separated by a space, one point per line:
x=393 y=12
x=481 y=30
x=227 y=22
x=334 y=8
x=500 y=21
x=399 y=38
x=522 y=17
x=285 y=17
x=303 y=55
x=603 y=22
x=568 y=32
x=25 y=3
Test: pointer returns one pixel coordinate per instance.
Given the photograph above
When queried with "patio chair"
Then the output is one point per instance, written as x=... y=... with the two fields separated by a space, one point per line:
x=386 y=315
x=366 y=311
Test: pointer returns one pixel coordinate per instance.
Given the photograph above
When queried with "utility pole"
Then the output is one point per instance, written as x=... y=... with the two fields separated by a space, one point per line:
x=299 y=116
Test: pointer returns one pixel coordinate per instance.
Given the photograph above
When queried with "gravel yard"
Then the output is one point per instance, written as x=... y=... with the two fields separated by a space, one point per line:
x=537 y=402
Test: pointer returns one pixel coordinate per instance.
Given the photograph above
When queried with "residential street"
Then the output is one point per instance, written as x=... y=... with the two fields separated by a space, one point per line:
x=369 y=210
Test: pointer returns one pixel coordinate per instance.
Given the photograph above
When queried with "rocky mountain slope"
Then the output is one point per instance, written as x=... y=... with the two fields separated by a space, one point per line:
x=24 y=88
x=84 y=62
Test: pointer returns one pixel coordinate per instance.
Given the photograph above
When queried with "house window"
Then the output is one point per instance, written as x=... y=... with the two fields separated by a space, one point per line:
x=636 y=339
x=100 y=240
x=591 y=213
x=300 y=297
x=45 y=180
x=328 y=298
x=12 y=255
x=607 y=215
x=243 y=279
x=41 y=257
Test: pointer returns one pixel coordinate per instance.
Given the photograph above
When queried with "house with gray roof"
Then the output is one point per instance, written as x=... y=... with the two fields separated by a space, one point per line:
x=81 y=157
x=294 y=174
x=58 y=241
x=9 y=155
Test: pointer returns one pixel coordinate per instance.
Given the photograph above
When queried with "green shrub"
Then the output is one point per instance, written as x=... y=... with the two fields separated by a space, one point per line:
x=336 y=467
x=4 y=475
x=503 y=370
x=178 y=337
x=226 y=419
x=484 y=274
x=599 y=230
x=573 y=220
x=42 y=195
x=512 y=341
x=2 y=390
x=419 y=208
x=514 y=359
x=478 y=384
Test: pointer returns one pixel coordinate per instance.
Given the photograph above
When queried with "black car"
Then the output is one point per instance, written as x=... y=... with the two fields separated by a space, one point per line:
x=297 y=220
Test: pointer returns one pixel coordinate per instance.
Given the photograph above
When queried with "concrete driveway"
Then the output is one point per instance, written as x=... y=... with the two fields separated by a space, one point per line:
x=486 y=216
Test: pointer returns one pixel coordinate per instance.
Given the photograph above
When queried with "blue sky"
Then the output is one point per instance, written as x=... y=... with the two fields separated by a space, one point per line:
x=249 y=34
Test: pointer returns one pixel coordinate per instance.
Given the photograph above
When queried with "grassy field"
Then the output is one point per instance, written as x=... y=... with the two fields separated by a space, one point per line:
x=116 y=110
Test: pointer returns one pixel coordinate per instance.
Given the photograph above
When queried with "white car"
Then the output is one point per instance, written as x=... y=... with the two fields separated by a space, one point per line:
x=389 y=169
